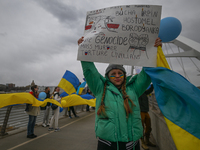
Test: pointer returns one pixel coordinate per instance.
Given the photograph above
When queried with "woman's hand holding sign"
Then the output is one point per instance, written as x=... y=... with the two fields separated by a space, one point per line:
x=158 y=42
x=80 y=40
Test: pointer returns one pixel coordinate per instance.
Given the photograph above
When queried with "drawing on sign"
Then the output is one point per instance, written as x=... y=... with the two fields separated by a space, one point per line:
x=121 y=35
x=110 y=25
x=100 y=22
x=138 y=43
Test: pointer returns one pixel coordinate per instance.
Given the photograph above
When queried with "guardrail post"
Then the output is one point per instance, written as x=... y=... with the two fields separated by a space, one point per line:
x=66 y=111
x=3 y=129
x=82 y=107
x=153 y=101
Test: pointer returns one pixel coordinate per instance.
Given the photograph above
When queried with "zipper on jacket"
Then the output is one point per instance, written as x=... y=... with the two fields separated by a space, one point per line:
x=116 y=137
x=132 y=133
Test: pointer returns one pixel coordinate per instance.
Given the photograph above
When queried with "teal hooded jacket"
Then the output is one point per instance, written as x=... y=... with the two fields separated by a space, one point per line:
x=115 y=126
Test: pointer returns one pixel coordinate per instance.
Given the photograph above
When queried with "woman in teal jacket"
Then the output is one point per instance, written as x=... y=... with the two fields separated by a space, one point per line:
x=118 y=122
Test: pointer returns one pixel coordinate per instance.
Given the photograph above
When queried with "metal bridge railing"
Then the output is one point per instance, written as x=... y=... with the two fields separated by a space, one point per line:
x=14 y=117
x=153 y=104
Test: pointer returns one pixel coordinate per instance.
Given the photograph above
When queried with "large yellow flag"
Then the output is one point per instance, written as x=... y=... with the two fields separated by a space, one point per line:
x=21 y=98
x=161 y=60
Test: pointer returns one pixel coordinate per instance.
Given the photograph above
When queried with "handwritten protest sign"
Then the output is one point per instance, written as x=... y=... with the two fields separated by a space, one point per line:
x=121 y=35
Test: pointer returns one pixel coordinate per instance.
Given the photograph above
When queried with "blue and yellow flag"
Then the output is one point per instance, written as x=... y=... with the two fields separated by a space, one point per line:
x=74 y=100
x=87 y=96
x=69 y=82
x=21 y=98
x=80 y=88
x=63 y=94
x=179 y=102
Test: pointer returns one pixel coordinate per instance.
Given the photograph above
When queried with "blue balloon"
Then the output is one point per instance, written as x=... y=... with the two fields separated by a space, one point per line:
x=42 y=96
x=170 y=28
x=61 y=109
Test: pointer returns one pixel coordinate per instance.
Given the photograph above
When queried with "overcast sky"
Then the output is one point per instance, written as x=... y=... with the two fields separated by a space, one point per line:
x=38 y=38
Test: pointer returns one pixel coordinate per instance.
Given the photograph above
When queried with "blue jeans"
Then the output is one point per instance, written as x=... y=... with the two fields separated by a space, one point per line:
x=31 y=124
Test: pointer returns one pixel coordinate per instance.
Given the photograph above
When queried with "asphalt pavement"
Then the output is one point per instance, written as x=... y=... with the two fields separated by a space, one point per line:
x=74 y=134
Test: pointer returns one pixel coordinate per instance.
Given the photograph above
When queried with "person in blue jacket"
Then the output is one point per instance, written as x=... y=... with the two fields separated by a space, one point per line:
x=118 y=121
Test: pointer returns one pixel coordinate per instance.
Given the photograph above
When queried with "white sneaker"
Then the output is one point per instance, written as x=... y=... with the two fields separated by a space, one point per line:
x=44 y=125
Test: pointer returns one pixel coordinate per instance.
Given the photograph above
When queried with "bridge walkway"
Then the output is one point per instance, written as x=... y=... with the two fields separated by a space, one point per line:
x=75 y=134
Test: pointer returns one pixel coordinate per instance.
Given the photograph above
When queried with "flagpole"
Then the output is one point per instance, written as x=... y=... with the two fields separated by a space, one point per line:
x=131 y=70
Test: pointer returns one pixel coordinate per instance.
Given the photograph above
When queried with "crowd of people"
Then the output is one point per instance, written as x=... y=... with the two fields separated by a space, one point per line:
x=33 y=111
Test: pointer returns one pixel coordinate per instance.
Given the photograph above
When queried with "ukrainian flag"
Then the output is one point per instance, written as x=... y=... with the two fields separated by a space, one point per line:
x=63 y=94
x=69 y=82
x=74 y=100
x=87 y=96
x=179 y=101
x=80 y=88
x=21 y=98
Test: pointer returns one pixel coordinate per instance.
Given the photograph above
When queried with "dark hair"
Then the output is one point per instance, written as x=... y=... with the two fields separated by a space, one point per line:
x=46 y=90
x=126 y=98
x=55 y=90
x=102 y=106
x=33 y=90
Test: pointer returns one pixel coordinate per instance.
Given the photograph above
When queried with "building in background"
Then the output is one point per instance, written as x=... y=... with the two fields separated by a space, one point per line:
x=10 y=85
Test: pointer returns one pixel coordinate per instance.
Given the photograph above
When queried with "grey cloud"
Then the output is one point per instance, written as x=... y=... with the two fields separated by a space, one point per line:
x=40 y=36
x=65 y=13
x=3 y=34
x=69 y=15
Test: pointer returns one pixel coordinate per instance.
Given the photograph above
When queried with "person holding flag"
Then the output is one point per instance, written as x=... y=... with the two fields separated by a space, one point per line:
x=55 y=117
x=46 y=108
x=33 y=112
x=118 y=122
x=177 y=98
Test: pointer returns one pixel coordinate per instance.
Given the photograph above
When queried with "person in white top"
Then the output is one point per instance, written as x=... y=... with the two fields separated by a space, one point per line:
x=55 y=117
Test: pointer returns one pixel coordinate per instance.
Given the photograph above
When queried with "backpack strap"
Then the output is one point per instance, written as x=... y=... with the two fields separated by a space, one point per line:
x=56 y=94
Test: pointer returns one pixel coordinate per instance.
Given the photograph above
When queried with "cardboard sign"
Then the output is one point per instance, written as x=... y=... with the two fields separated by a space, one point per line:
x=121 y=35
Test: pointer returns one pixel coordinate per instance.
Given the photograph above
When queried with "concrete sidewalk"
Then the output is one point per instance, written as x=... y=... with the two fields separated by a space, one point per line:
x=75 y=134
